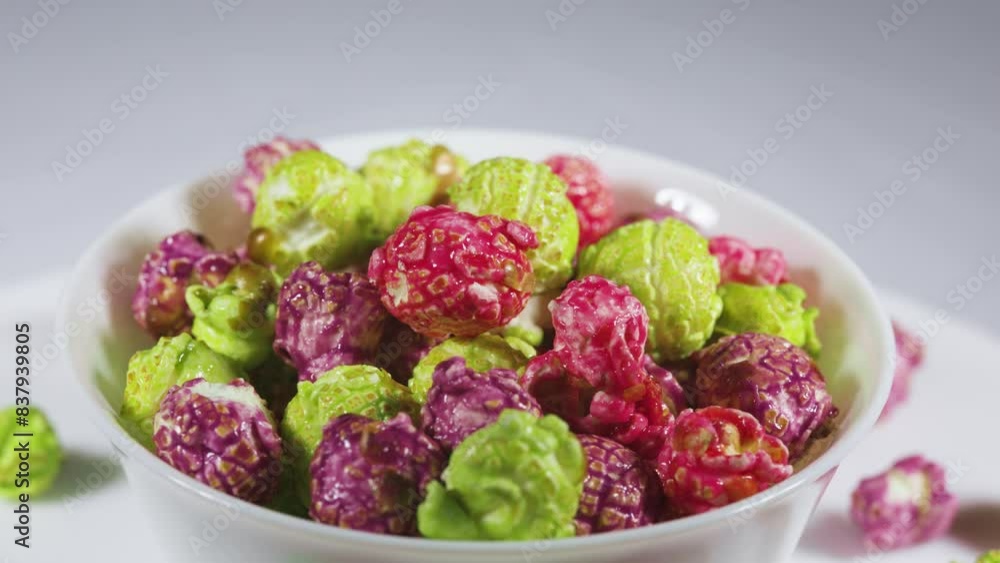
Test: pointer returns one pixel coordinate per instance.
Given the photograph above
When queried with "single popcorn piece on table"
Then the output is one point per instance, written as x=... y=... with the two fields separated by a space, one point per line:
x=528 y=192
x=312 y=206
x=45 y=451
x=174 y=360
x=769 y=309
x=519 y=478
x=741 y=263
x=620 y=491
x=462 y=401
x=481 y=353
x=446 y=272
x=236 y=318
x=358 y=389
x=371 y=475
x=258 y=161
x=589 y=190
x=667 y=266
x=222 y=435
x=769 y=378
x=183 y=258
x=909 y=357
x=404 y=177
x=907 y=504
x=326 y=319
x=717 y=456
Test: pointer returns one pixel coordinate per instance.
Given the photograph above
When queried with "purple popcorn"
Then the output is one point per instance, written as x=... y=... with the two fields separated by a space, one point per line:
x=401 y=349
x=907 y=504
x=327 y=320
x=258 y=160
x=180 y=259
x=222 y=435
x=370 y=475
x=620 y=490
x=461 y=401
x=769 y=378
x=909 y=356
x=673 y=393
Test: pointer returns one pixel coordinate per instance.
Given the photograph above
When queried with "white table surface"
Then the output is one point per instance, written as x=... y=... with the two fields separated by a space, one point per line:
x=953 y=399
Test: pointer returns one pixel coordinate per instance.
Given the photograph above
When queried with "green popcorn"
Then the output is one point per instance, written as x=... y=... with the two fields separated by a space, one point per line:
x=768 y=309
x=359 y=389
x=236 y=318
x=46 y=453
x=312 y=206
x=667 y=266
x=174 y=360
x=990 y=557
x=404 y=177
x=519 y=478
x=528 y=192
x=482 y=353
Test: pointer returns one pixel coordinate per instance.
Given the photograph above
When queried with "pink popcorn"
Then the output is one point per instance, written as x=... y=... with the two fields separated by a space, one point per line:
x=741 y=263
x=446 y=272
x=672 y=392
x=909 y=356
x=589 y=192
x=907 y=504
x=258 y=161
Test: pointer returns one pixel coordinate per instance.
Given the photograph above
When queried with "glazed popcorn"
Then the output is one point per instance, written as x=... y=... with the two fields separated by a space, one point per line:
x=258 y=161
x=502 y=186
x=989 y=557
x=326 y=319
x=718 y=456
x=46 y=453
x=401 y=349
x=461 y=401
x=769 y=309
x=769 y=378
x=589 y=190
x=907 y=504
x=519 y=478
x=182 y=258
x=446 y=272
x=620 y=490
x=371 y=475
x=667 y=267
x=481 y=354
x=671 y=390
x=741 y=263
x=222 y=435
x=909 y=357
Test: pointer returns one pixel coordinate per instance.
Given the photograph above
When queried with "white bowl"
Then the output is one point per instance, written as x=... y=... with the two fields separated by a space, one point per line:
x=195 y=522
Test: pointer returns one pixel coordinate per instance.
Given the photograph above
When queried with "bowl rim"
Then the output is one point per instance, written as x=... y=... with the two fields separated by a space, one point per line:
x=825 y=463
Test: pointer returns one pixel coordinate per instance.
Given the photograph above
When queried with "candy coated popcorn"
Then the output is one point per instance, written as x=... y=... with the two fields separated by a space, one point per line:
x=258 y=161
x=673 y=393
x=909 y=356
x=461 y=401
x=371 y=475
x=667 y=267
x=524 y=191
x=276 y=382
x=989 y=557
x=46 y=453
x=589 y=190
x=741 y=263
x=222 y=435
x=180 y=259
x=481 y=354
x=769 y=309
x=401 y=349
x=620 y=490
x=769 y=378
x=174 y=360
x=446 y=272
x=717 y=456
x=326 y=319
x=907 y=504
x=519 y=478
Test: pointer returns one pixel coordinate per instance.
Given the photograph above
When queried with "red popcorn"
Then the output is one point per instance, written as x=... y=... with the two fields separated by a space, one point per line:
x=717 y=456
x=741 y=263
x=909 y=356
x=601 y=334
x=258 y=162
x=907 y=504
x=446 y=272
x=620 y=491
x=589 y=192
